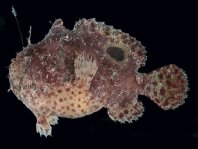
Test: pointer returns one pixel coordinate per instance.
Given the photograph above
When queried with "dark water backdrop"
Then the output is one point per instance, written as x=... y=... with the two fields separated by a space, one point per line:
x=169 y=32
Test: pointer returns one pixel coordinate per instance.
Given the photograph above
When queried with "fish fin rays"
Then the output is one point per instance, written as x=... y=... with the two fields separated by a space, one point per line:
x=85 y=68
x=126 y=113
x=167 y=86
x=43 y=125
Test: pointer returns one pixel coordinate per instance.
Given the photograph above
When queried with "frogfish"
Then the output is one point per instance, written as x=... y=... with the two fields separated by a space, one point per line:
x=74 y=73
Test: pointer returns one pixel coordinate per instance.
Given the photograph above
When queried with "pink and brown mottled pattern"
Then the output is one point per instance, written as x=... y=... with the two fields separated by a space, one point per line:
x=167 y=87
x=75 y=73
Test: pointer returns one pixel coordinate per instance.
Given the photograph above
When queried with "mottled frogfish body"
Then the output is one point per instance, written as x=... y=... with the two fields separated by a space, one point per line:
x=75 y=73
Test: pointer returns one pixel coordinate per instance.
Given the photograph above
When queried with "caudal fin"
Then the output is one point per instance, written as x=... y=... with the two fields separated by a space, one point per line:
x=167 y=86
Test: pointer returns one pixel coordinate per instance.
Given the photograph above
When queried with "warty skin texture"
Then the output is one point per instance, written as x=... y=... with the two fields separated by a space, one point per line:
x=75 y=73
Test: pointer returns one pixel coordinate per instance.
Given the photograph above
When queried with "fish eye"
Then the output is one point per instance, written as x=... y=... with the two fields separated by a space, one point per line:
x=116 y=53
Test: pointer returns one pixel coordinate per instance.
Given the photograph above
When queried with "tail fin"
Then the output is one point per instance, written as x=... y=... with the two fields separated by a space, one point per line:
x=167 y=86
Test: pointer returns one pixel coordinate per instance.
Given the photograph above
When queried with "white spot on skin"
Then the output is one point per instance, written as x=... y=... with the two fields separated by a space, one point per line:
x=46 y=89
x=33 y=91
x=139 y=78
x=66 y=38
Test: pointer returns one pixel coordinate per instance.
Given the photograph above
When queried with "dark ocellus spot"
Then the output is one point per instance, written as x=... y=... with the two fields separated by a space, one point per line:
x=116 y=53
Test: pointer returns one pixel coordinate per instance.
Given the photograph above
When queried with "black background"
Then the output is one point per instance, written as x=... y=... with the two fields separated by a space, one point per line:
x=169 y=32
